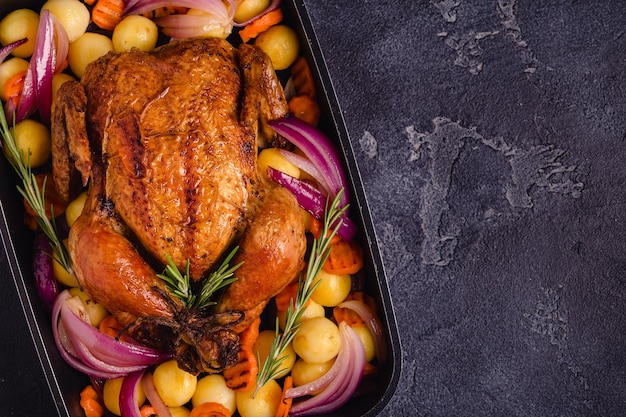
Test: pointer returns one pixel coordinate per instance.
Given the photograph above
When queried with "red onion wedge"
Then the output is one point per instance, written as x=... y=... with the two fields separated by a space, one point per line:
x=273 y=6
x=45 y=282
x=65 y=348
x=307 y=166
x=6 y=50
x=51 y=46
x=87 y=357
x=351 y=360
x=153 y=396
x=373 y=324
x=318 y=148
x=145 y=6
x=215 y=16
x=108 y=348
x=312 y=200
x=129 y=394
x=94 y=353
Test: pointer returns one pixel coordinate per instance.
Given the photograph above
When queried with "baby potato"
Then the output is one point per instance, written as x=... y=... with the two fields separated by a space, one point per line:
x=213 y=388
x=58 y=80
x=61 y=274
x=95 y=310
x=332 y=288
x=135 y=31
x=9 y=68
x=73 y=15
x=86 y=49
x=175 y=386
x=264 y=403
x=312 y=310
x=271 y=157
x=111 y=395
x=317 y=340
x=305 y=372
x=281 y=44
x=262 y=348
x=74 y=208
x=367 y=339
x=179 y=411
x=247 y=9
x=33 y=141
x=20 y=24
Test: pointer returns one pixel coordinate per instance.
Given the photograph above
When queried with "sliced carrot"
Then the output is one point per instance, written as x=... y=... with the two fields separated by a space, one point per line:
x=51 y=198
x=242 y=375
x=254 y=28
x=345 y=257
x=89 y=402
x=110 y=326
x=305 y=108
x=285 y=403
x=316 y=230
x=106 y=14
x=13 y=87
x=210 y=409
x=363 y=297
x=90 y=2
x=283 y=298
x=147 y=411
x=302 y=78
x=249 y=336
x=370 y=369
x=349 y=316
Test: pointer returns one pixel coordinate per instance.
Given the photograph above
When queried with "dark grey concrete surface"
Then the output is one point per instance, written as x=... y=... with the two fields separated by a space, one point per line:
x=491 y=138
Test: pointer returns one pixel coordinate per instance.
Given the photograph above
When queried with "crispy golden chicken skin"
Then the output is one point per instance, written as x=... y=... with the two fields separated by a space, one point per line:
x=167 y=141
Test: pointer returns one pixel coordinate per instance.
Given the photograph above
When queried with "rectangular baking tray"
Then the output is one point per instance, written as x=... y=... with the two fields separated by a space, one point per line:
x=65 y=383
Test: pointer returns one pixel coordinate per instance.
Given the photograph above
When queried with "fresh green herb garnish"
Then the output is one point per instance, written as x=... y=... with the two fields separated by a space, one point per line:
x=319 y=253
x=217 y=280
x=33 y=194
x=179 y=284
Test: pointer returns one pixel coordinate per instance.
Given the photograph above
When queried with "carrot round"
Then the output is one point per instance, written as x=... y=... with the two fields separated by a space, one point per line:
x=254 y=28
x=302 y=77
x=242 y=375
x=89 y=402
x=106 y=14
x=345 y=257
x=316 y=231
x=285 y=403
x=13 y=86
x=51 y=198
x=305 y=108
x=147 y=411
x=110 y=326
x=210 y=409
x=349 y=316
x=283 y=298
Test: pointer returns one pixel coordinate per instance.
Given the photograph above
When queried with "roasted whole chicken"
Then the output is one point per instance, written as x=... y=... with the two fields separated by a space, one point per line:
x=166 y=143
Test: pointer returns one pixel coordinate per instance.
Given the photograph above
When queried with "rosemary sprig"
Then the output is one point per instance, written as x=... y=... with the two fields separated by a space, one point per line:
x=179 y=284
x=217 y=280
x=306 y=285
x=33 y=194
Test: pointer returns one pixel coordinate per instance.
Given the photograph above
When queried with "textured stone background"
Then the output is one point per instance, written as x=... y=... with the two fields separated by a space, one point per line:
x=491 y=138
